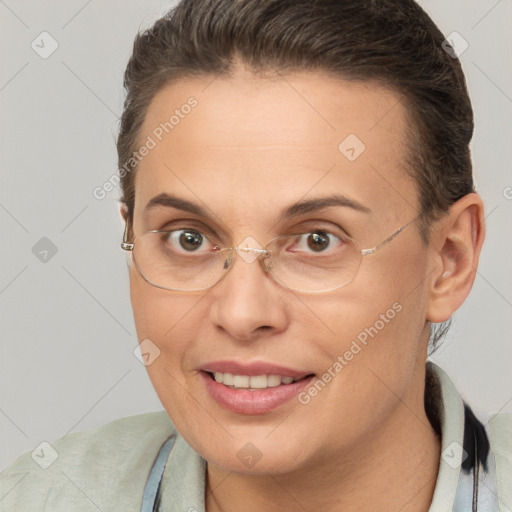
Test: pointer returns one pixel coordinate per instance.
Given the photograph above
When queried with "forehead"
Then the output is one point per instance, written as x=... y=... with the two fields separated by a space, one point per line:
x=244 y=136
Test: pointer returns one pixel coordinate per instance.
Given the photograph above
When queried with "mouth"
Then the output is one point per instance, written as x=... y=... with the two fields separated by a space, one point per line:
x=253 y=394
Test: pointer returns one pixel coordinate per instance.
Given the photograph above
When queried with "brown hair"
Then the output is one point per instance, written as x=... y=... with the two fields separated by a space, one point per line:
x=391 y=42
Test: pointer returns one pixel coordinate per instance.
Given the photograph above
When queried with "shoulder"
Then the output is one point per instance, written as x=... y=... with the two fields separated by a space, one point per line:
x=104 y=467
x=500 y=433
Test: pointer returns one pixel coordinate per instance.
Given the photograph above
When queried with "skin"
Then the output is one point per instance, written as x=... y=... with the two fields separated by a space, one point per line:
x=253 y=146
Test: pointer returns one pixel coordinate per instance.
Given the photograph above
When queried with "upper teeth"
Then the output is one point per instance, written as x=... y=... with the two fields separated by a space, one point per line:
x=251 y=382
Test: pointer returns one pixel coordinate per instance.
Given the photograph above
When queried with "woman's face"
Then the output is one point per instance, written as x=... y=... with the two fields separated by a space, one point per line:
x=246 y=151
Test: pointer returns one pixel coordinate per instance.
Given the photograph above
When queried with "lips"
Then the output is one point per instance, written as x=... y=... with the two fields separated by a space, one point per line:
x=252 y=388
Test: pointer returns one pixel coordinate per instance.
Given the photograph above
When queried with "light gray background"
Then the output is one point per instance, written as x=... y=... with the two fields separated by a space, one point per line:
x=67 y=330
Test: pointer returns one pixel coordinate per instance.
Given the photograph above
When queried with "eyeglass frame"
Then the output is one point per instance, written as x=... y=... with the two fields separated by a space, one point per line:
x=129 y=246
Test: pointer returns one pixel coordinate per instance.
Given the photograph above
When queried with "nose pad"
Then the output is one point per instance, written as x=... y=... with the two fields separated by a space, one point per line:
x=266 y=261
x=228 y=261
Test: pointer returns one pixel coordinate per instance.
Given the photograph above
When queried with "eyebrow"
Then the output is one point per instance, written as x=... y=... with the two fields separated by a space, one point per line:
x=170 y=201
x=294 y=210
x=312 y=205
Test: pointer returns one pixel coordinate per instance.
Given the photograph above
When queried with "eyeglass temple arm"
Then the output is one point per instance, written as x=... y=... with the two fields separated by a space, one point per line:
x=125 y=245
x=373 y=250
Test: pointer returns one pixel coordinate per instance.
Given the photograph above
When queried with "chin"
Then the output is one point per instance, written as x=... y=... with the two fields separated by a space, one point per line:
x=275 y=463
x=256 y=454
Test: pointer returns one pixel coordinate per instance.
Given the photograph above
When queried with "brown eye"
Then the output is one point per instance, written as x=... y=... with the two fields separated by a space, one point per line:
x=186 y=240
x=318 y=241
x=190 y=240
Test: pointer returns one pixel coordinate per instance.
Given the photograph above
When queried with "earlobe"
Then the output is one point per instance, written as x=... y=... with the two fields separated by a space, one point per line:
x=459 y=242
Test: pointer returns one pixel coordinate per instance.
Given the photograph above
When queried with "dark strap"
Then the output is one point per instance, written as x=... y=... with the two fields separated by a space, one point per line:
x=477 y=489
x=155 y=476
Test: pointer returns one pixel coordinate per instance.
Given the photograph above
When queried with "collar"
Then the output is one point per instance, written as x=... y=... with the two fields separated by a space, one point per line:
x=451 y=413
x=458 y=490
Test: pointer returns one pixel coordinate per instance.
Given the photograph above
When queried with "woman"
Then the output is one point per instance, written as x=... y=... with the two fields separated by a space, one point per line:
x=299 y=207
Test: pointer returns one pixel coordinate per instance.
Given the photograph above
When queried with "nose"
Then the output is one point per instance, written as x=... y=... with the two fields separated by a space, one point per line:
x=248 y=303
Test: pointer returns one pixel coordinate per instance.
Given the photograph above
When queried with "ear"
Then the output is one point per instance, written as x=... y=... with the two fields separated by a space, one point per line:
x=456 y=243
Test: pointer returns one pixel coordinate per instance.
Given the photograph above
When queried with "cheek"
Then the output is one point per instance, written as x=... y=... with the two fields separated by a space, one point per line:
x=150 y=315
x=386 y=300
x=177 y=324
x=157 y=312
x=369 y=334
x=168 y=320
x=377 y=328
x=368 y=364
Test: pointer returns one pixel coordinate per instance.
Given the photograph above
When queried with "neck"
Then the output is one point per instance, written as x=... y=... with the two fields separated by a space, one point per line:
x=396 y=469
